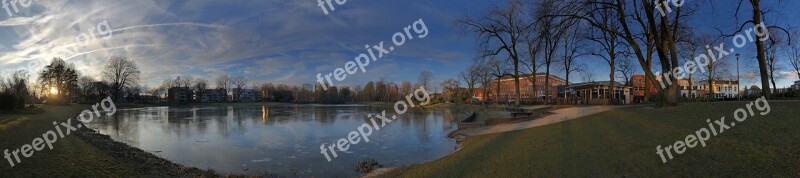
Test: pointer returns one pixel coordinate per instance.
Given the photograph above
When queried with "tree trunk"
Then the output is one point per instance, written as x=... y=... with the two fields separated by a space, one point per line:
x=762 y=62
x=547 y=85
x=516 y=83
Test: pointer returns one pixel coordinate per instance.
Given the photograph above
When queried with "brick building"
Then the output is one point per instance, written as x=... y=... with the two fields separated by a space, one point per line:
x=527 y=94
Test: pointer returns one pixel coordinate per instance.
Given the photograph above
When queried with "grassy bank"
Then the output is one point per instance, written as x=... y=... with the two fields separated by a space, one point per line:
x=622 y=142
x=78 y=154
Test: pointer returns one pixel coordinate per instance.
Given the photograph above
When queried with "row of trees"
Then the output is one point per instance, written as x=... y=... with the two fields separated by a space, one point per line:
x=381 y=90
x=542 y=34
x=60 y=82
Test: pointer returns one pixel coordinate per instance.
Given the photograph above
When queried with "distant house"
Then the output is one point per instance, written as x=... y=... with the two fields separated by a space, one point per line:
x=753 y=90
x=177 y=95
x=477 y=94
x=796 y=85
x=214 y=96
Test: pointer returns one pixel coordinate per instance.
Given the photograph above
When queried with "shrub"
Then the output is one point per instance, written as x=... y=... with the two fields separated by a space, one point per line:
x=367 y=165
x=7 y=101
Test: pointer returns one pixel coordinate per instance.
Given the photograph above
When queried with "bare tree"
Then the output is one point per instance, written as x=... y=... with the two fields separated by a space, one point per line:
x=470 y=78
x=639 y=24
x=485 y=76
x=200 y=86
x=759 y=19
x=573 y=44
x=587 y=75
x=121 y=73
x=424 y=79
x=239 y=82
x=223 y=81
x=626 y=68
x=556 y=28
x=451 y=88
x=186 y=81
x=794 y=59
x=773 y=65
x=86 y=85
x=611 y=46
x=501 y=30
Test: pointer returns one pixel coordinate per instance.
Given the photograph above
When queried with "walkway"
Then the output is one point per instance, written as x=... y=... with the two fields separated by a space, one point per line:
x=558 y=116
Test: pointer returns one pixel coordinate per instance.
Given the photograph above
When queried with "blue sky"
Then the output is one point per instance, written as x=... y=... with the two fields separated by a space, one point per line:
x=270 y=40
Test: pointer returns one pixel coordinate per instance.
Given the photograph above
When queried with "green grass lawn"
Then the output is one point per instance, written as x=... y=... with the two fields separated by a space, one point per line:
x=70 y=156
x=622 y=142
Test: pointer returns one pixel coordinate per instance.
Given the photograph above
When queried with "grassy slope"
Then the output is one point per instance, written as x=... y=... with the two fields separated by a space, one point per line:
x=622 y=143
x=70 y=156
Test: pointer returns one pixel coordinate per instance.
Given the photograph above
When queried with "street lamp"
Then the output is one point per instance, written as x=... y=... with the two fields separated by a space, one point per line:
x=738 y=84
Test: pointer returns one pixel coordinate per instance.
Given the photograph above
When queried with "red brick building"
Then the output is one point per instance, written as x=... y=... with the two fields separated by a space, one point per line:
x=638 y=85
x=527 y=94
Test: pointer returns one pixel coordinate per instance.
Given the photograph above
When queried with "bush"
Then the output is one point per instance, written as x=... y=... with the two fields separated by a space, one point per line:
x=367 y=165
x=7 y=101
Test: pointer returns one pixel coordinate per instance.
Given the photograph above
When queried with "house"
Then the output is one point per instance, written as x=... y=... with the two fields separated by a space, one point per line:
x=753 y=90
x=596 y=93
x=796 y=85
x=692 y=89
x=723 y=89
x=507 y=89
x=638 y=84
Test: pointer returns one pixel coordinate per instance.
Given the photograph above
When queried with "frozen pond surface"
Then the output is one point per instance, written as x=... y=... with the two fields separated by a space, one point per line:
x=283 y=139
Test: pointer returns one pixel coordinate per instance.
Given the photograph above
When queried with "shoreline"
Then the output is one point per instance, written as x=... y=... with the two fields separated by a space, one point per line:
x=145 y=163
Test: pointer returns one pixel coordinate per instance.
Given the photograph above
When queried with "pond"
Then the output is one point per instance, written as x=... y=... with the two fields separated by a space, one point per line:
x=282 y=139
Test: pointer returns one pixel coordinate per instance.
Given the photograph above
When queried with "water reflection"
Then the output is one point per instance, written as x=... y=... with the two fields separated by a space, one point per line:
x=282 y=138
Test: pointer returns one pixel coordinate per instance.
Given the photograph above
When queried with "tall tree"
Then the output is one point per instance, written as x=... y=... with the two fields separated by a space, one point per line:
x=758 y=18
x=60 y=76
x=573 y=45
x=121 y=73
x=557 y=28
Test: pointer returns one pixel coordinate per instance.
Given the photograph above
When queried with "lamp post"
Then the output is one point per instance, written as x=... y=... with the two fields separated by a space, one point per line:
x=738 y=95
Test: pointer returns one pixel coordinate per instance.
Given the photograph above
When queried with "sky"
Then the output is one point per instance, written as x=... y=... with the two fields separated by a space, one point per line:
x=274 y=41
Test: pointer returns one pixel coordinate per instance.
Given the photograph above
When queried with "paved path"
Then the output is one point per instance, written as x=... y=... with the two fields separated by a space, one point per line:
x=558 y=116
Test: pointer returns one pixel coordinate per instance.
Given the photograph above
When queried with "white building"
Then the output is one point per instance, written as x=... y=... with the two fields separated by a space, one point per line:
x=724 y=89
